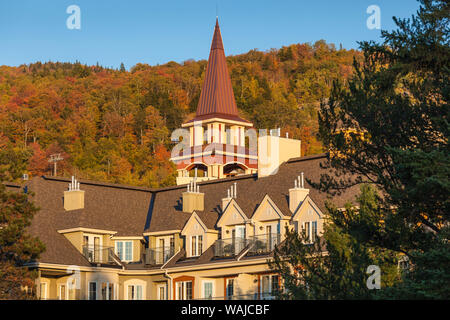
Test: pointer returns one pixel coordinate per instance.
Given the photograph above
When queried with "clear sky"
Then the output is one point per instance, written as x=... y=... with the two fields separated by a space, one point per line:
x=158 y=31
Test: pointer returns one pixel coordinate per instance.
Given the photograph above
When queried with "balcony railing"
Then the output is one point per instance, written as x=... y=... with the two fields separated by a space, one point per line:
x=100 y=254
x=263 y=244
x=158 y=255
x=229 y=247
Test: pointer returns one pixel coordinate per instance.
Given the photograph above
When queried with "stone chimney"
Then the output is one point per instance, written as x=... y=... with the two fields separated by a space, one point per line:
x=74 y=197
x=231 y=193
x=193 y=199
x=298 y=194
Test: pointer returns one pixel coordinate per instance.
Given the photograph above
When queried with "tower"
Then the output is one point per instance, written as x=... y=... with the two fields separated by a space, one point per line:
x=217 y=134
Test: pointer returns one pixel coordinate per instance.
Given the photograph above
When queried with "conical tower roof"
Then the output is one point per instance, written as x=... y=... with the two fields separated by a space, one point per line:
x=217 y=97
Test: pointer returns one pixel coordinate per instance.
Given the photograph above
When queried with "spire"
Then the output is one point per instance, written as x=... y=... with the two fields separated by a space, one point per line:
x=217 y=96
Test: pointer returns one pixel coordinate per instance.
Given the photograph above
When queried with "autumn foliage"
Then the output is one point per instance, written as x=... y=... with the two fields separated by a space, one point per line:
x=115 y=125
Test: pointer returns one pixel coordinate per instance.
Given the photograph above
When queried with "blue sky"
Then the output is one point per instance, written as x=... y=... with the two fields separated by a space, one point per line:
x=155 y=32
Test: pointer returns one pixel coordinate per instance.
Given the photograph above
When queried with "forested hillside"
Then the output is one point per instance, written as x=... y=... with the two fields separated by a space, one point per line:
x=114 y=125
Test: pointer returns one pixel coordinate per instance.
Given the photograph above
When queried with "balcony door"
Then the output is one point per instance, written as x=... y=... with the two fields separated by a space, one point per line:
x=92 y=245
x=239 y=238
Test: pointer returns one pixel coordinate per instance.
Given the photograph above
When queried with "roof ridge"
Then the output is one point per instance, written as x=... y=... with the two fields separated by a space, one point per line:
x=310 y=157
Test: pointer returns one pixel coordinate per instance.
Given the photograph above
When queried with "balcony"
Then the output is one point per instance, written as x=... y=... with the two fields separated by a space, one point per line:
x=229 y=247
x=100 y=255
x=159 y=255
x=263 y=244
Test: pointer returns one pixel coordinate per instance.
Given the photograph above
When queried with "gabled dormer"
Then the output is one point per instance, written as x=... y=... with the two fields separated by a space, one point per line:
x=308 y=219
x=197 y=236
x=233 y=221
x=268 y=218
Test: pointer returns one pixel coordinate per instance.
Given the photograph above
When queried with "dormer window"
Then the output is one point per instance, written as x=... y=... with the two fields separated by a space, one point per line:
x=196 y=245
x=124 y=250
x=310 y=231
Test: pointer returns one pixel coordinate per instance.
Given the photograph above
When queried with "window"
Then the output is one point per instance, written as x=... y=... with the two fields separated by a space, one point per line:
x=313 y=231
x=307 y=231
x=107 y=291
x=135 y=292
x=62 y=292
x=92 y=291
x=92 y=247
x=196 y=245
x=207 y=290
x=162 y=292
x=184 y=290
x=172 y=243
x=230 y=289
x=310 y=231
x=43 y=290
x=71 y=289
x=270 y=286
x=124 y=250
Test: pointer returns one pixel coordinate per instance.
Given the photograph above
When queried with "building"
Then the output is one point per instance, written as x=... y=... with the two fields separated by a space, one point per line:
x=210 y=238
x=221 y=143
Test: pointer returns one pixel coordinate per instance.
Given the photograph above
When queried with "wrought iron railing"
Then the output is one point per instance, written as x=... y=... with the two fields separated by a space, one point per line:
x=263 y=244
x=229 y=247
x=159 y=255
x=100 y=254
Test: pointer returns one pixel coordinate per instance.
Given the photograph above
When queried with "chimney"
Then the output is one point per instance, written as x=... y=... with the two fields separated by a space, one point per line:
x=231 y=193
x=193 y=199
x=74 y=197
x=298 y=194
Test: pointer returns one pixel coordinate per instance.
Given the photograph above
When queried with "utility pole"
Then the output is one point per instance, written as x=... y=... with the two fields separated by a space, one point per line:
x=55 y=158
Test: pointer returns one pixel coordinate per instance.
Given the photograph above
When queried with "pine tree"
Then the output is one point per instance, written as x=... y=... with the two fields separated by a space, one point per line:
x=335 y=265
x=389 y=127
x=17 y=247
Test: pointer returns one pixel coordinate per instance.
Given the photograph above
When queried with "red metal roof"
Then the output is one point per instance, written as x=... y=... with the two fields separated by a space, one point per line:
x=217 y=97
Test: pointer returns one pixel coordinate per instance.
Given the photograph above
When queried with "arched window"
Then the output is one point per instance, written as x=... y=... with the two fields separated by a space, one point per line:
x=202 y=170
x=233 y=169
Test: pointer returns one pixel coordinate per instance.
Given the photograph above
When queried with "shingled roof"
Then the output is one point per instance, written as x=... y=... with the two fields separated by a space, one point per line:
x=131 y=211
x=217 y=97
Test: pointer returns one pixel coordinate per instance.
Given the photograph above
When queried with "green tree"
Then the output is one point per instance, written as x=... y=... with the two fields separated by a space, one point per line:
x=335 y=265
x=388 y=126
x=17 y=247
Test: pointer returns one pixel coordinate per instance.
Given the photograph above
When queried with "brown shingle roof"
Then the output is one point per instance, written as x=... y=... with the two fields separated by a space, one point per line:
x=250 y=192
x=132 y=210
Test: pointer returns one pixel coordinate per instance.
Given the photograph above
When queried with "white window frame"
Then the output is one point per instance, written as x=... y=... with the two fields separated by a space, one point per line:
x=268 y=295
x=114 y=288
x=197 y=252
x=97 y=290
x=158 y=294
x=43 y=294
x=135 y=283
x=135 y=286
x=203 y=289
x=124 y=253
x=59 y=291
x=89 y=290
x=310 y=233
x=184 y=289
